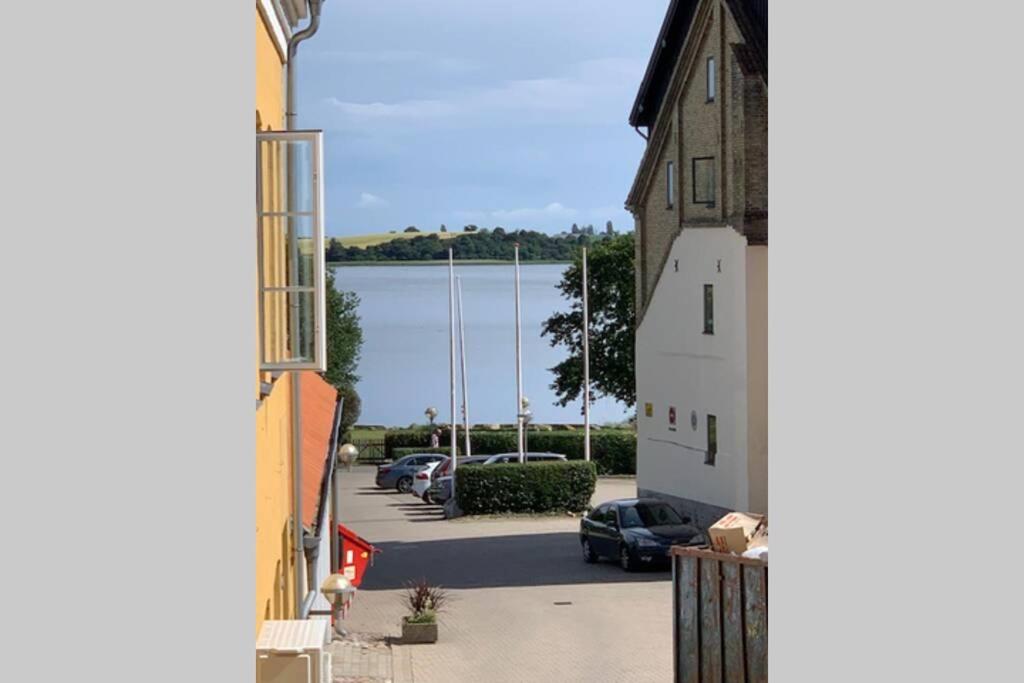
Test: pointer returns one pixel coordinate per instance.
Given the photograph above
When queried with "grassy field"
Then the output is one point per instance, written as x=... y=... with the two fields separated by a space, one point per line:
x=373 y=239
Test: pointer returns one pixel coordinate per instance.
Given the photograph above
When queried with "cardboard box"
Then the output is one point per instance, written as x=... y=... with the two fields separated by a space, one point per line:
x=734 y=532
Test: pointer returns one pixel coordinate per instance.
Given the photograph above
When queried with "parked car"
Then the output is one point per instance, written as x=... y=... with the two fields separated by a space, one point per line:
x=503 y=458
x=635 y=532
x=422 y=479
x=440 y=489
x=399 y=474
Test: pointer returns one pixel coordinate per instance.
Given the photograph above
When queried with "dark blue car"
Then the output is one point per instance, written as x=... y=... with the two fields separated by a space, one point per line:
x=635 y=532
x=399 y=474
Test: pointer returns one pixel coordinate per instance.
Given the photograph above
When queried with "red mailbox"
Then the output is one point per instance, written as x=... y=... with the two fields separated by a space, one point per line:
x=356 y=554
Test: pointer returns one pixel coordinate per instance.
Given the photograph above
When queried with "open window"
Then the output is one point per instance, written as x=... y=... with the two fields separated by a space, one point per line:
x=292 y=303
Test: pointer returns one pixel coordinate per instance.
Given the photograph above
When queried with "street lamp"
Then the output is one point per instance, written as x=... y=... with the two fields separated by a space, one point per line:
x=338 y=590
x=527 y=417
x=431 y=413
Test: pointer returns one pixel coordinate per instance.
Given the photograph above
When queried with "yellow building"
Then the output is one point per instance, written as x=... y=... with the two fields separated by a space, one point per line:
x=289 y=296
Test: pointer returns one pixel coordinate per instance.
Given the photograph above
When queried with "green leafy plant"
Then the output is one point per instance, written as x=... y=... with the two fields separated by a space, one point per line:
x=424 y=601
x=530 y=487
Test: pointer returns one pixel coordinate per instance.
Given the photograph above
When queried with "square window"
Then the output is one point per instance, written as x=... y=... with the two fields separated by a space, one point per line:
x=711 y=79
x=709 y=309
x=670 y=184
x=704 y=181
x=709 y=455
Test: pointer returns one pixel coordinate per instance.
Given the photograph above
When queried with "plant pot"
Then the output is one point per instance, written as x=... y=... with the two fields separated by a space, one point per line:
x=418 y=633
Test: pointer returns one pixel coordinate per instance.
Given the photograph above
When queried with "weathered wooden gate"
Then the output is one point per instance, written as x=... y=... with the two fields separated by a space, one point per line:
x=720 y=617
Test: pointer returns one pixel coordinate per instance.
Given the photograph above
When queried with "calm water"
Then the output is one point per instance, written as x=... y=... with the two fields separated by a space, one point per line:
x=404 y=363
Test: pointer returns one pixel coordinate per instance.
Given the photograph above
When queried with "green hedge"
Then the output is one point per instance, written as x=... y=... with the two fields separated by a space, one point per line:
x=407 y=450
x=533 y=487
x=612 y=450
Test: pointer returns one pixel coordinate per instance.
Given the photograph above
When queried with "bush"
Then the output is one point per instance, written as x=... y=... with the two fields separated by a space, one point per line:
x=612 y=450
x=533 y=487
x=410 y=450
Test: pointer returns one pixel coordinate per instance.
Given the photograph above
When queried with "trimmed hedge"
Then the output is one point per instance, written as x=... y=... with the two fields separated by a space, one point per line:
x=404 y=451
x=533 y=487
x=612 y=450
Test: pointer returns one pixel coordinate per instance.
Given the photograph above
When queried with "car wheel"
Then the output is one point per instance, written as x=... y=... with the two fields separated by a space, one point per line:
x=626 y=559
x=588 y=553
x=405 y=485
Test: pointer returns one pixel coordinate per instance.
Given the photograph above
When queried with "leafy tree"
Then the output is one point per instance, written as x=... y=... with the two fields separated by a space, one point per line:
x=411 y=228
x=351 y=408
x=469 y=228
x=344 y=336
x=609 y=229
x=575 y=229
x=444 y=228
x=612 y=316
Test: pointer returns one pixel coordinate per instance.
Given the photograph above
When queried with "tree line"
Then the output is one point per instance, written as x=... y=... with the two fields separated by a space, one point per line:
x=496 y=244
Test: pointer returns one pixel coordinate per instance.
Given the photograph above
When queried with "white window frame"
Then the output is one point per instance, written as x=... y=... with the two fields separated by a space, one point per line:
x=670 y=184
x=712 y=85
x=319 y=362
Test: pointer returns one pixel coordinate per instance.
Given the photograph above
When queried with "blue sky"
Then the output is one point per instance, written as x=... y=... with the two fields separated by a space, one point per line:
x=510 y=113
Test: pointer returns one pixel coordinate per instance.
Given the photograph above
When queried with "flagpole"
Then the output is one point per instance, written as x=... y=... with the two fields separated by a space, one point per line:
x=465 y=380
x=519 y=364
x=451 y=360
x=586 y=364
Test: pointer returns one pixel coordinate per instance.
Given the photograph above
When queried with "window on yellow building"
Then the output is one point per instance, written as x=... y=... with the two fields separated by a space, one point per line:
x=291 y=250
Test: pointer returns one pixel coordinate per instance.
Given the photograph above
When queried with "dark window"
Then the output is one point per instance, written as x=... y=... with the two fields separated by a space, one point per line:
x=704 y=180
x=709 y=457
x=709 y=309
x=711 y=79
x=670 y=184
x=598 y=515
x=647 y=515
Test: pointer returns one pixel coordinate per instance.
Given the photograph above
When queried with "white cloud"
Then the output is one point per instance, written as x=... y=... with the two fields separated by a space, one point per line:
x=595 y=91
x=518 y=216
x=367 y=201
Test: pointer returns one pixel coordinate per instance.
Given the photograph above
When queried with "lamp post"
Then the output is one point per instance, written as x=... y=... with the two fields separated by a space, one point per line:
x=338 y=590
x=527 y=417
x=346 y=455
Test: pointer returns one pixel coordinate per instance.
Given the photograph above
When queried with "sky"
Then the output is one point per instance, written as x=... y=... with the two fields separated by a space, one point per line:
x=500 y=112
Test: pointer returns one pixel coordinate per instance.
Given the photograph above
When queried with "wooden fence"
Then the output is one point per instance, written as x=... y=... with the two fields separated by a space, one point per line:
x=720 y=617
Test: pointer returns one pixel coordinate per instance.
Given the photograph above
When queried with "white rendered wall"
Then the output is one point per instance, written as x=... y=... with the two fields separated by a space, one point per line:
x=678 y=365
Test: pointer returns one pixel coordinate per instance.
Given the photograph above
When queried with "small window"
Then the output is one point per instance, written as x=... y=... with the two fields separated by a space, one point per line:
x=670 y=185
x=704 y=181
x=709 y=456
x=709 y=309
x=711 y=79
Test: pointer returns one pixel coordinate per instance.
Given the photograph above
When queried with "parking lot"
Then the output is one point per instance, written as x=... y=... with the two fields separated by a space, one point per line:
x=524 y=605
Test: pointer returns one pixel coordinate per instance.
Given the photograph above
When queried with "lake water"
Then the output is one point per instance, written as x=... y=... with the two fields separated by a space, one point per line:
x=404 y=362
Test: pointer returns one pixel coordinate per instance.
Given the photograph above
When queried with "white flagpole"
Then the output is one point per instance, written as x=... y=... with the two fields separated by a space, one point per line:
x=519 y=365
x=586 y=364
x=451 y=359
x=465 y=381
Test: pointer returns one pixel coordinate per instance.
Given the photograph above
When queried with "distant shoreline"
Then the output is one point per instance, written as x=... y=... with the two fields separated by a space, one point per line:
x=443 y=262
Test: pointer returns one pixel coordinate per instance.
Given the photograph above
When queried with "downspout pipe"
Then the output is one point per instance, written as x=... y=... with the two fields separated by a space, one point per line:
x=297 y=531
x=293 y=47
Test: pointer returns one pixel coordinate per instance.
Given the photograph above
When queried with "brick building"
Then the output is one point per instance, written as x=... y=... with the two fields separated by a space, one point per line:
x=700 y=202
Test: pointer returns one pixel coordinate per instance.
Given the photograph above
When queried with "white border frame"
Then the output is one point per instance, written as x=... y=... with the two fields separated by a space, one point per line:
x=319 y=363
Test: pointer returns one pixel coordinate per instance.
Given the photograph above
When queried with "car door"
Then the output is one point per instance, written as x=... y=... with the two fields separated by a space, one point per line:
x=599 y=533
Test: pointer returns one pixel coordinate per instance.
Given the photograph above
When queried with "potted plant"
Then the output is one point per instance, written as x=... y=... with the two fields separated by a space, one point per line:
x=424 y=602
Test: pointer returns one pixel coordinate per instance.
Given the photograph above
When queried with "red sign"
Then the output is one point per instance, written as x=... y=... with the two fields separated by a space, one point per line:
x=672 y=415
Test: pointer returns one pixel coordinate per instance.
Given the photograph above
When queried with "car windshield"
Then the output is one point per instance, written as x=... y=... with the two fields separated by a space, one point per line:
x=648 y=514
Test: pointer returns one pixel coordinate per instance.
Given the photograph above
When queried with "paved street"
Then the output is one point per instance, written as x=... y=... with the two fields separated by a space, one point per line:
x=524 y=605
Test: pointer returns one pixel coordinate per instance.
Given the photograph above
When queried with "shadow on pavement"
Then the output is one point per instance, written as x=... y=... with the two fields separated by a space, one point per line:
x=495 y=561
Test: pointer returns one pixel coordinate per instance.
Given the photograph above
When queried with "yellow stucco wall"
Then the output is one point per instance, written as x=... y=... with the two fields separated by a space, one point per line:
x=274 y=559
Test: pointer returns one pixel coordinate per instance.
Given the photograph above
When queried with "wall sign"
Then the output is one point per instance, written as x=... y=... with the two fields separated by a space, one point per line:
x=649 y=409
